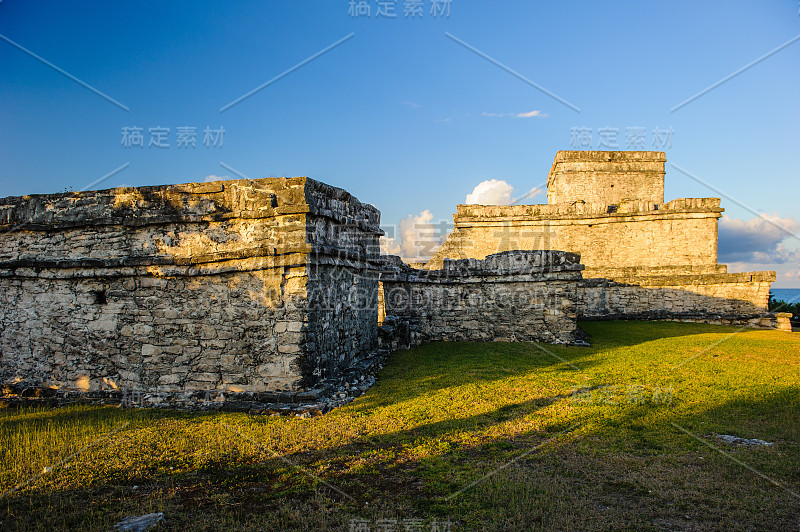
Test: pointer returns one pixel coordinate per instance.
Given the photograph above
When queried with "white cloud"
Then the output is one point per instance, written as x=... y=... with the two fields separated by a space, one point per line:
x=530 y=114
x=491 y=192
x=792 y=274
x=212 y=177
x=758 y=240
x=417 y=238
x=390 y=246
x=498 y=192
x=761 y=243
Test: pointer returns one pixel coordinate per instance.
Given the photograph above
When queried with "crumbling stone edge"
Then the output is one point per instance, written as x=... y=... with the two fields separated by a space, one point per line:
x=327 y=395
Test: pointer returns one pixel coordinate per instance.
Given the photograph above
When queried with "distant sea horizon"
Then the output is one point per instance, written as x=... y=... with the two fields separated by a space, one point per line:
x=789 y=295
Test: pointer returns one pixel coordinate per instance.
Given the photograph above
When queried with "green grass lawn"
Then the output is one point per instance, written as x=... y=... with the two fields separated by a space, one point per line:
x=499 y=436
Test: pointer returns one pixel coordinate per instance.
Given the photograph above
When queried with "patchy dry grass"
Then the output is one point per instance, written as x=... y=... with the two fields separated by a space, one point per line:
x=499 y=436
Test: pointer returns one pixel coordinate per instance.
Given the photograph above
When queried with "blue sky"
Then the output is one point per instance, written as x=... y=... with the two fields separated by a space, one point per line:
x=402 y=115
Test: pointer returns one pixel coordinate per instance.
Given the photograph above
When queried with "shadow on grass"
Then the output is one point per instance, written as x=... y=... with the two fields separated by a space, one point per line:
x=259 y=483
x=631 y=469
x=430 y=367
x=624 y=467
x=439 y=365
x=607 y=333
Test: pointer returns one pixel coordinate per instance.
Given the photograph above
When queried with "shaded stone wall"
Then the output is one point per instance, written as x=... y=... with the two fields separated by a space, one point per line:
x=342 y=316
x=186 y=287
x=729 y=299
x=512 y=296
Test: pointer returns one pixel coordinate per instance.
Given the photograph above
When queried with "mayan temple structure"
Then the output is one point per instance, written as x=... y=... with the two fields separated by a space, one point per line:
x=277 y=287
x=644 y=258
x=244 y=286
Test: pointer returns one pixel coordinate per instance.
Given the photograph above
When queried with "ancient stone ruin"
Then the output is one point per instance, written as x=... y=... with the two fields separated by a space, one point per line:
x=276 y=287
x=263 y=285
x=514 y=296
x=644 y=258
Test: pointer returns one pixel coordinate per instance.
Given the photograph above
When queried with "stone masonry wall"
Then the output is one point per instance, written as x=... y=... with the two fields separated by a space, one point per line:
x=731 y=298
x=342 y=288
x=514 y=296
x=152 y=333
x=606 y=177
x=645 y=259
x=185 y=287
x=683 y=232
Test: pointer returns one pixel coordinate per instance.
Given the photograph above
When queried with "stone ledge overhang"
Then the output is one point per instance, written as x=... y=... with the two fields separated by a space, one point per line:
x=506 y=266
x=253 y=259
x=470 y=215
x=654 y=271
x=216 y=201
x=681 y=280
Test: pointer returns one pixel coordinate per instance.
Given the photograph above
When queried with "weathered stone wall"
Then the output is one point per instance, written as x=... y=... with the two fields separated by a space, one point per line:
x=606 y=177
x=730 y=298
x=167 y=333
x=513 y=296
x=198 y=286
x=644 y=258
x=342 y=316
x=683 y=232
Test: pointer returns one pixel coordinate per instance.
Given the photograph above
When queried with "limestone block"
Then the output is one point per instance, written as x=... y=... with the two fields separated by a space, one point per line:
x=169 y=379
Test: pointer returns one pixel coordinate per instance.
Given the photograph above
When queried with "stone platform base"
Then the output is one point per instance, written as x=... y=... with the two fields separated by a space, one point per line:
x=329 y=394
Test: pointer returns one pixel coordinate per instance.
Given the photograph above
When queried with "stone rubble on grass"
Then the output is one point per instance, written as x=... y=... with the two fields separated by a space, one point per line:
x=139 y=523
x=735 y=440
